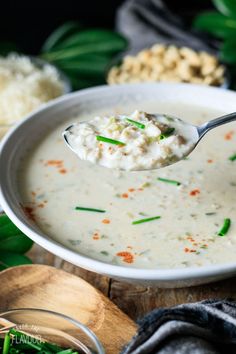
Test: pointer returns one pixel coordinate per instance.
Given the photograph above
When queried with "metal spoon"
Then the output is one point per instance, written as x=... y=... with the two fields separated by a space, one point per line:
x=195 y=132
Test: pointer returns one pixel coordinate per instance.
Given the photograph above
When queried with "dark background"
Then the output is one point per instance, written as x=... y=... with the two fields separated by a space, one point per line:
x=28 y=25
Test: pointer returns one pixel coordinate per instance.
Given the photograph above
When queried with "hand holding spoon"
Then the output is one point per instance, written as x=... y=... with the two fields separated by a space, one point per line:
x=138 y=142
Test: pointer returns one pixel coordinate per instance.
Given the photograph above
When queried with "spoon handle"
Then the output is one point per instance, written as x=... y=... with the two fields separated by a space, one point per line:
x=203 y=129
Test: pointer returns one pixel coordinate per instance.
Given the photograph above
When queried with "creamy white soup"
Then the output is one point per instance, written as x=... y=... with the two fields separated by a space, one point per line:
x=140 y=141
x=180 y=216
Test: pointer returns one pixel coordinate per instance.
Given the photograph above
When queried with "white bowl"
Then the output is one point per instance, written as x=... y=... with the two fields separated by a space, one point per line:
x=27 y=132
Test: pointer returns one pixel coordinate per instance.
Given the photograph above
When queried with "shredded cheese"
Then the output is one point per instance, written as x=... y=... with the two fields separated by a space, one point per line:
x=24 y=86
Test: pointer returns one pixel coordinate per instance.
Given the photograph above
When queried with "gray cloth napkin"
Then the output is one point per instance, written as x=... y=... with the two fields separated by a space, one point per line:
x=145 y=22
x=206 y=327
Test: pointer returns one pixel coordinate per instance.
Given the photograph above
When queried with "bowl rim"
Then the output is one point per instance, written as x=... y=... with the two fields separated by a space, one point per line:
x=75 y=322
x=118 y=271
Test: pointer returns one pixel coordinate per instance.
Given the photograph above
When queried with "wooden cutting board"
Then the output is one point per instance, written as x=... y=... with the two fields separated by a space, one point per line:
x=40 y=286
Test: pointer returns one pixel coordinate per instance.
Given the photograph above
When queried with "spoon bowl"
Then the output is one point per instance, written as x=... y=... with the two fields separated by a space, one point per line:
x=185 y=134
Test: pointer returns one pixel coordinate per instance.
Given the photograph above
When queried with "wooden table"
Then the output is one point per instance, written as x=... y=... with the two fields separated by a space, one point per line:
x=134 y=300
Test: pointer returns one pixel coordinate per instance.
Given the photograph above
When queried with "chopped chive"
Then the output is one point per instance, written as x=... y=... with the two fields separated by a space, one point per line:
x=137 y=124
x=232 y=158
x=67 y=351
x=104 y=253
x=90 y=209
x=211 y=213
x=225 y=228
x=6 y=344
x=166 y=133
x=108 y=140
x=171 y=181
x=145 y=220
x=27 y=339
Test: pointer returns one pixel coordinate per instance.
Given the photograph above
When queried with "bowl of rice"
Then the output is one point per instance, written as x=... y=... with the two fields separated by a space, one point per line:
x=25 y=84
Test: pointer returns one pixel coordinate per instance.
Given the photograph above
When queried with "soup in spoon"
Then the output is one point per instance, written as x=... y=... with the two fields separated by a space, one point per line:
x=139 y=141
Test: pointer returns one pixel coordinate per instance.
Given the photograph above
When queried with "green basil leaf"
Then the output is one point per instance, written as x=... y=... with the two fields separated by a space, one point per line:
x=12 y=239
x=9 y=259
x=4 y=220
x=7 y=228
x=228 y=51
x=216 y=24
x=92 y=36
x=79 y=82
x=59 y=34
x=226 y=7
x=115 y=44
x=85 y=65
x=17 y=243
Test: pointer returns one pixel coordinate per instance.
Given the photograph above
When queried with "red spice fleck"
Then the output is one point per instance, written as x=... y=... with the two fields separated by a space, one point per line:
x=106 y=221
x=29 y=212
x=130 y=247
x=206 y=245
x=229 y=135
x=63 y=171
x=194 y=192
x=96 y=236
x=209 y=161
x=193 y=251
x=186 y=249
x=125 y=195
x=131 y=189
x=127 y=256
x=190 y=239
x=54 y=163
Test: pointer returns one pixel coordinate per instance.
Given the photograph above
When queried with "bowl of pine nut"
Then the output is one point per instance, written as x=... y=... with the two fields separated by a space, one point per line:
x=169 y=63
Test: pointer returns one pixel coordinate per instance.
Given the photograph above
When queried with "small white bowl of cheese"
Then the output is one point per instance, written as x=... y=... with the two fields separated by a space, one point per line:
x=25 y=84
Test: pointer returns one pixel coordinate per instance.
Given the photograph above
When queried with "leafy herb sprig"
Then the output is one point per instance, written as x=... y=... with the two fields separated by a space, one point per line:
x=13 y=244
x=222 y=24
x=83 y=54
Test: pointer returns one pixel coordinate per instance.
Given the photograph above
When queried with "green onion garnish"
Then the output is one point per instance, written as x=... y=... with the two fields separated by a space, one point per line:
x=225 y=228
x=18 y=342
x=166 y=133
x=137 y=124
x=6 y=344
x=232 y=158
x=108 y=140
x=145 y=220
x=171 y=181
x=90 y=209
